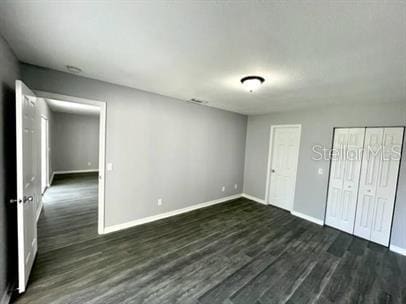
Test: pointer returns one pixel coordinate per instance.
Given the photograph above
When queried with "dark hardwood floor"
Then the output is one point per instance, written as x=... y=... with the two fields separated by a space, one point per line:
x=235 y=252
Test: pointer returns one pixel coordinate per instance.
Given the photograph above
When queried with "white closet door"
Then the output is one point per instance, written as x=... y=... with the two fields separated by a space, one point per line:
x=387 y=184
x=378 y=184
x=344 y=178
x=336 y=179
x=371 y=163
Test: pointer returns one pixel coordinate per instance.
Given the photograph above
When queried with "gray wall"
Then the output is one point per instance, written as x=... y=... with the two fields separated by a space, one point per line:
x=317 y=129
x=160 y=147
x=9 y=72
x=75 y=142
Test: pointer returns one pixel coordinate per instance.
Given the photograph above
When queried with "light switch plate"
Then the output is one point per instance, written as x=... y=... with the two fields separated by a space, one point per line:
x=109 y=167
x=320 y=171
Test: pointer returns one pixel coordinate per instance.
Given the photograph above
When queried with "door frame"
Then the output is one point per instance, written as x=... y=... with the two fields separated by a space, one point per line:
x=270 y=154
x=43 y=117
x=102 y=146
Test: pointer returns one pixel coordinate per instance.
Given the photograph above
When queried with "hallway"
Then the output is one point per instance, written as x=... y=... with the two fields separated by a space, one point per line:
x=69 y=214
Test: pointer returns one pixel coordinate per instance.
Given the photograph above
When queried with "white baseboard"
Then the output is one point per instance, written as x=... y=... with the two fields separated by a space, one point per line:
x=167 y=214
x=5 y=299
x=75 y=171
x=397 y=249
x=308 y=218
x=253 y=198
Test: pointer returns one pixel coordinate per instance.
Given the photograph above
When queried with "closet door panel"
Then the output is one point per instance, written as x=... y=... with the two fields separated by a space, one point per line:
x=336 y=178
x=344 y=178
x=351 y=177
x=352 y=171
x=386 y=185
x=368 y=182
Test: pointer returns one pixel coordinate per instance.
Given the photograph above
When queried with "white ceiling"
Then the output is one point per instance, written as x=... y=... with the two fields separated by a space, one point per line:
x=311 y=53
x=72 y=107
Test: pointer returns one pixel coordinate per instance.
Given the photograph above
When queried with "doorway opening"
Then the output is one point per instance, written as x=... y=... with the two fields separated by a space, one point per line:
x=70 y=203
x=92 y=163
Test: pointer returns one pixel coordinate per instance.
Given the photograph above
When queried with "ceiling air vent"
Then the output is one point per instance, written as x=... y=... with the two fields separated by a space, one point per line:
x=198 y=101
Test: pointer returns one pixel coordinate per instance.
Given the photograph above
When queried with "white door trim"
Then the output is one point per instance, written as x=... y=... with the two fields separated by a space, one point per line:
x=270 y=150
x=46 y=152
x=47 y=148
x=102 y=145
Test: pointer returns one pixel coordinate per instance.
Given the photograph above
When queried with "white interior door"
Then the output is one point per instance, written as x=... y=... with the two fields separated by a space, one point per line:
x=344 y=178
x=378 y=184
x=285 y=143
x=27 y=181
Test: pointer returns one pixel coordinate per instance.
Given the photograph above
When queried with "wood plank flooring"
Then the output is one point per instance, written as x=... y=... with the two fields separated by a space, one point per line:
x=235 y=252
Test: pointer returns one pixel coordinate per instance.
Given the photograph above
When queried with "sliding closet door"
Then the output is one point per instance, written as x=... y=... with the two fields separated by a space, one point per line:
x=344 y=178
x=378 y=184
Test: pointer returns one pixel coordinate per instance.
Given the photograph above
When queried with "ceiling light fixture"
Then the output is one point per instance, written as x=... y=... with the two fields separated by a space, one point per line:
x=73 y=69
x=252 y=83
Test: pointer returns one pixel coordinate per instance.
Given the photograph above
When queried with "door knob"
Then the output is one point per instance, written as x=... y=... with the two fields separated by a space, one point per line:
x=273 y=170
x=14 y=201
x=28 y=199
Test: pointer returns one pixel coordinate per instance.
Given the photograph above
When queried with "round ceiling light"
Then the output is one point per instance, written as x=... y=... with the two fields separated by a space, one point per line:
x=252 y=83
x=73 y=69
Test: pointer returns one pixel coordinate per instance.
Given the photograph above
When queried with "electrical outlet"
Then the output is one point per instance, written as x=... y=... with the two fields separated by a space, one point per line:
x=159 y=201
x=223 y=188
x=89 y=164
x=235 y=186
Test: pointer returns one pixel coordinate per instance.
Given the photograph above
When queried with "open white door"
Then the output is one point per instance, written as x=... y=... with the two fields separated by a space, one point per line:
x=27 y=182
